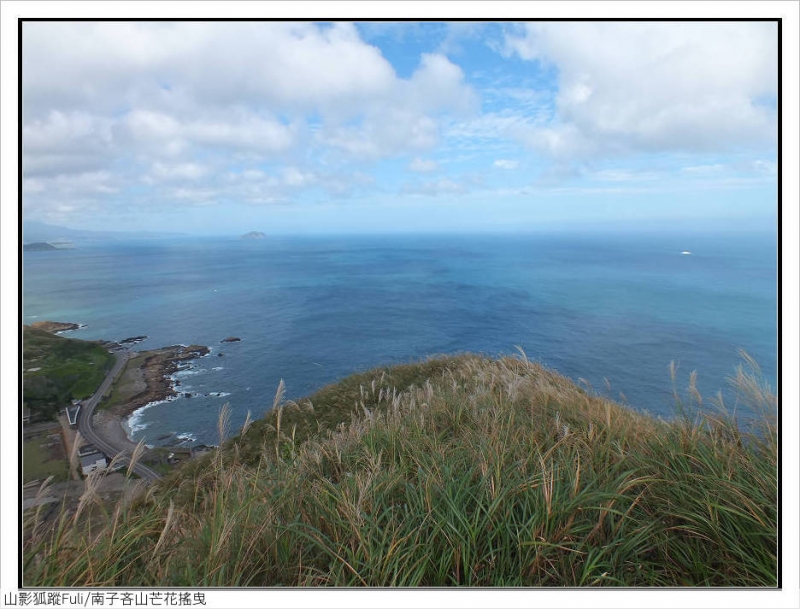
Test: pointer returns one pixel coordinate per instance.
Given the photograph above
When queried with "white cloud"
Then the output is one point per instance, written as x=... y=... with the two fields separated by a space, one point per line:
x=155 y=103
x=406 y=118
x=165 y=134
x=506 y=164
x=438 y=84
x=279 y=64
x=59 y=142
x=393 y=131
x=653 y=87
x=423 y=165
x=282 y=184
x=50 y=197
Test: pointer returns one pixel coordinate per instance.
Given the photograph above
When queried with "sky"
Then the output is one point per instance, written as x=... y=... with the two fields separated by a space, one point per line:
x=372 y=127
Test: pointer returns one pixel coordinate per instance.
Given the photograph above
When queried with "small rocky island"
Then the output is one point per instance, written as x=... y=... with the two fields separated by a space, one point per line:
x=231 y=339
x=55 y=327
x=253 y=235
x=38 y=247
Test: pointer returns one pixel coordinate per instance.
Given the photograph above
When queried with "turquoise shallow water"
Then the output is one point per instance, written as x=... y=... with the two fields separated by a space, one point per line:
x=312 y=310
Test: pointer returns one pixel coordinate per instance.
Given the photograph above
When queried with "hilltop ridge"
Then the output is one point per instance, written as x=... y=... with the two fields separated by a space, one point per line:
x=459 y=470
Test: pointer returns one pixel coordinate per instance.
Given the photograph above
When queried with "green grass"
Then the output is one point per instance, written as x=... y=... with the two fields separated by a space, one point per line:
x=127 y=385
x=67 y=369
x=39 y=464
x=452 y=472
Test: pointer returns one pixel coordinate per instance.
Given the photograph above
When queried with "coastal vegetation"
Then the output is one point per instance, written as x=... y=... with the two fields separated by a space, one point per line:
x=43 y=456
x=57 y=370
x=456 y=471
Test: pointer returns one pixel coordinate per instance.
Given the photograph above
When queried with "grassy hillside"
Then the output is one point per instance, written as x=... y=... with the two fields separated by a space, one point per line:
x=456 y=471
x=58 y=369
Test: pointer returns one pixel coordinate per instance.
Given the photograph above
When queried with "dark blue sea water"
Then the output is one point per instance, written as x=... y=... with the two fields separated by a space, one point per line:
x=312 y=310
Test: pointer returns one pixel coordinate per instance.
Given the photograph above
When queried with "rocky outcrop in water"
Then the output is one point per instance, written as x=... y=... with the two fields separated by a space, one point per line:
x=55 y=326
x=133 y=340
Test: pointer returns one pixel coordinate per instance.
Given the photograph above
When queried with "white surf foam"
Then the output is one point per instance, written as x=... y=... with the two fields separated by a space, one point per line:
x=134 y=422
x=187 y=372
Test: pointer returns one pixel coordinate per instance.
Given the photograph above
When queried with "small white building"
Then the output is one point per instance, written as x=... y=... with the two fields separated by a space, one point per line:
x=92 y=462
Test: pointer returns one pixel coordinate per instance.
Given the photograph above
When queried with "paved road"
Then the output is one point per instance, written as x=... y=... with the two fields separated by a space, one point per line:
x=91 y=435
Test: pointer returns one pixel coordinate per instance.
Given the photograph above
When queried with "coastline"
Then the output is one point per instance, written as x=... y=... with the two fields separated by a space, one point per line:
x=152 y=384
x=56 y=327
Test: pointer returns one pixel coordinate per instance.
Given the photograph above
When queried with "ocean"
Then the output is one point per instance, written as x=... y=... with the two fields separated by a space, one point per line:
x=611 y=309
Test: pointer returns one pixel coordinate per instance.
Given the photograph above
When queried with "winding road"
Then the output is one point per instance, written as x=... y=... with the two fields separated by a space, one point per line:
x=91 y=435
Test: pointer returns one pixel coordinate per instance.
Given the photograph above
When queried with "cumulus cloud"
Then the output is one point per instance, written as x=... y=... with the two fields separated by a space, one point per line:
x=280 y=64
x=405 y=118
x=55 y=197
x=59 y=142
x=181 y=113
x=623 y=87
x=241 y=130
x=169 y=100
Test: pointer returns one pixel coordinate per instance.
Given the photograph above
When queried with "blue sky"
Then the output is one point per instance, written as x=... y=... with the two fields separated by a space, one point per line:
x=222 y=128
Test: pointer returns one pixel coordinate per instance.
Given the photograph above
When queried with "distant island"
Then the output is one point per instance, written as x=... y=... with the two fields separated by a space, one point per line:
x=253 y=235
x=38 y=247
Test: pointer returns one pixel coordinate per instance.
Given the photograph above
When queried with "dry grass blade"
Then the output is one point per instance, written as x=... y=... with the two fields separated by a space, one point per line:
x=135 y=456
x=247 y=422
x=115 y=461
x=89 y=494
x=693 y=391
x=224 y=422
x=167 y=524
x=279 y=394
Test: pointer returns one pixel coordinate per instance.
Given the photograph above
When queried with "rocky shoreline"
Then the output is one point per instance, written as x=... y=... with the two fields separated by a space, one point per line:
x=55 y=327
x=155 y=370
